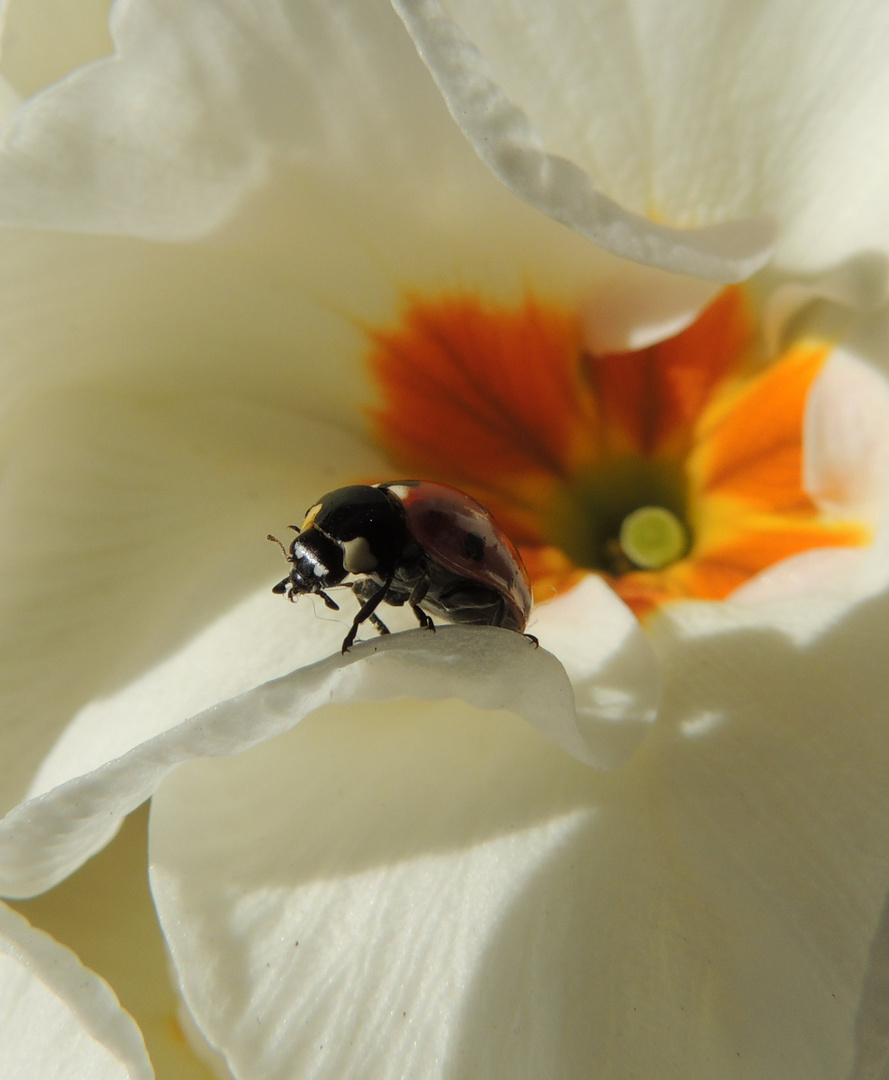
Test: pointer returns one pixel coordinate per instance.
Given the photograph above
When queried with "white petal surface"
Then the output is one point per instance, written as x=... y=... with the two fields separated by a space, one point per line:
x=696 y=114
x=608 y=659
x=846 y=438
x=846 y=472
x=156 y=396
x=168 y=136
x=610 y=663
x=507 y=139
x=129 y=522
x=432 y=892
x=58 y=1019
x=106 y=915
x=47 y=837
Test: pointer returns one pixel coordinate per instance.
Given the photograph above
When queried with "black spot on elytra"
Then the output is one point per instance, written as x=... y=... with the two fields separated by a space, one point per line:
x=474 y=546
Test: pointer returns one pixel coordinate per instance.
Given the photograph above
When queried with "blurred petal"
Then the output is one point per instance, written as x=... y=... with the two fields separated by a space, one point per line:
x=836 y=570
x=846 y=466
x=43 y=40
x=427 y=889
x=105 y=913
x=56 y=1017
x=169 y=135
x=610 y=662
x=697 y=115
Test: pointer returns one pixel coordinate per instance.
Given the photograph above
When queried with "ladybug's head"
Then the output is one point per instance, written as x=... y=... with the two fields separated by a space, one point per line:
x=359 y=530
x=317 y=564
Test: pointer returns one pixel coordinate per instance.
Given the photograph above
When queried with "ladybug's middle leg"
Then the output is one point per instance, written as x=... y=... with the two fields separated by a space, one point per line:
x=419 y=591
x=367 y=610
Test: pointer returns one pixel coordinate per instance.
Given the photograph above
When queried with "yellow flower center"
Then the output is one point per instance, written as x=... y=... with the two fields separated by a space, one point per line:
x=673 y=472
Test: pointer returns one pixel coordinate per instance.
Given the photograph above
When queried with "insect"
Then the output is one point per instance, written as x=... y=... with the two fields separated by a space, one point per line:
x=411 y=542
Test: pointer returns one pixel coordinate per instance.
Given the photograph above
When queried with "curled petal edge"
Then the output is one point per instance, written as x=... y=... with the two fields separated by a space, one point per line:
x=48 y=837
x=90 y=998
x=507 y=142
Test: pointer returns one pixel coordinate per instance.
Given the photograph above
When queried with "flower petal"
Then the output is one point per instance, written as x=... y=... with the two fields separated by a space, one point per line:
x=694 y=114
x=57 y=1017
x=836 y=570
x=432 y=890
x=168 y=136
x=507 y=140
x=610 y=662
x=846 y=472
x=846 y=466
x=401 y=835
x=105 y=913
x=46 y=838
x=130 y=521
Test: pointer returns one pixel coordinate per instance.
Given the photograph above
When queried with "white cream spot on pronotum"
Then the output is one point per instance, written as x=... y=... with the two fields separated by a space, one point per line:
x=357 y=556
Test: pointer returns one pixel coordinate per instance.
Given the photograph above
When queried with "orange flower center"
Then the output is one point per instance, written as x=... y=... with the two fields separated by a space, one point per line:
x=674 y=471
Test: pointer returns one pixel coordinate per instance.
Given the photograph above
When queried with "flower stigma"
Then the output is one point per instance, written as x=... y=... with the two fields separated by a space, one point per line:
x=673 y=472
x=652 y=537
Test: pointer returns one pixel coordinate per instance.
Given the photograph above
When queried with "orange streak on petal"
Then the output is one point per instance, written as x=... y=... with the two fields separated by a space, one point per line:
x=471 y=392
x=651 y=399
x=752 y=445
x=761 y=546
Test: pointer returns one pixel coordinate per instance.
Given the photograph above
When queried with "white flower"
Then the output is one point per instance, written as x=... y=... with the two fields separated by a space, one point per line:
x=204 y=232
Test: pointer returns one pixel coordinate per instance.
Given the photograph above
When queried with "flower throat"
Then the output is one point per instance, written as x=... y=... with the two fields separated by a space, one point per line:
x=672 y=472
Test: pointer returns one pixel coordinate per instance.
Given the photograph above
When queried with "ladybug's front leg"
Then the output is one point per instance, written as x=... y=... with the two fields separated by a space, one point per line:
x=419 y=591
x=367 y=610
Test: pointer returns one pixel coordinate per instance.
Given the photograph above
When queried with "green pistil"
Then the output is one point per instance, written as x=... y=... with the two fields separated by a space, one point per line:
x=652 y=537
x=625 y=513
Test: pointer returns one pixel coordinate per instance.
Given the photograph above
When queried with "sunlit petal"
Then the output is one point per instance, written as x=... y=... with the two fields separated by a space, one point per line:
x=128 y=524
x=507 y=140
x=50 y=835
x=692 y=114
x=463 y=900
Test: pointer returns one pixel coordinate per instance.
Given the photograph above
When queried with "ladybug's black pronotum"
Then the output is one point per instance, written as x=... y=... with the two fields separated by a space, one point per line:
x=409 y=542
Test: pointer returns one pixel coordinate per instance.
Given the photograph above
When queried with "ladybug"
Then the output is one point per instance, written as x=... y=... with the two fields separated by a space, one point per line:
x=409 y=542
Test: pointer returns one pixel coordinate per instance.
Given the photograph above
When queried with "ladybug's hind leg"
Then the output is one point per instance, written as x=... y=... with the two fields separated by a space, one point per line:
x=367 y=612
x=377 y=623
x=419 y=591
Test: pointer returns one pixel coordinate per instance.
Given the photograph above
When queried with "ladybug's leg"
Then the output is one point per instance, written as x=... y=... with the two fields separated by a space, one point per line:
x=332 y=604
x=419 y=591
x=367 y=609
x=378 y=623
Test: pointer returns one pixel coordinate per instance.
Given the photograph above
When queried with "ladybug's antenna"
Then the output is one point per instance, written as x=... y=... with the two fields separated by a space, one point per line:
x=275 y=540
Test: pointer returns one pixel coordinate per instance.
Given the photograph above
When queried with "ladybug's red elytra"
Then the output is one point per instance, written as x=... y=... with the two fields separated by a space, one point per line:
x=409 y=542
